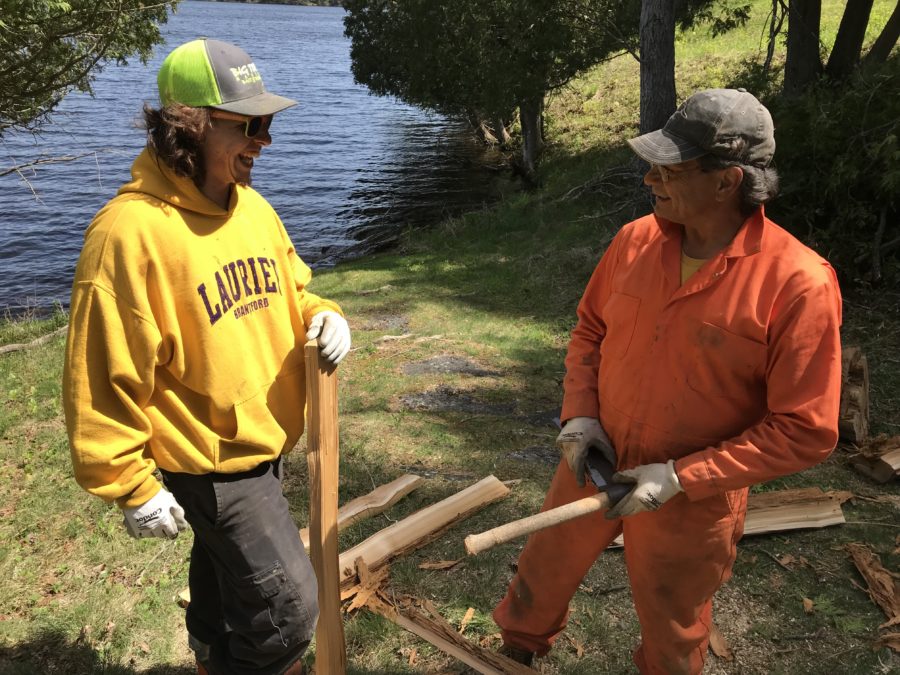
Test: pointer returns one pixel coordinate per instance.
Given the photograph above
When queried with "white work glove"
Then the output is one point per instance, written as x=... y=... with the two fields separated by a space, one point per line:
x=655 y=484
x=160 y=516
x=333 y=333
x=579 y=433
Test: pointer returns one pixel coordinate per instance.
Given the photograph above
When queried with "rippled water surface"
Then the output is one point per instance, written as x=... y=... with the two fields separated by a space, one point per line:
x=345 y=170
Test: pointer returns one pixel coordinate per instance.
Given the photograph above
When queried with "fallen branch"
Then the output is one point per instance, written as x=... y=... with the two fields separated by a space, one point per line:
x=6 y=349
x=379 y=500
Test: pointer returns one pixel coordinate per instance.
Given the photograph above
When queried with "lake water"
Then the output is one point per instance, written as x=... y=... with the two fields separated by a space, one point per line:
x=346 y=170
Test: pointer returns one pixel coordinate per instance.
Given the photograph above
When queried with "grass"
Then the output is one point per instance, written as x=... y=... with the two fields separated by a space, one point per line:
x=497 y=287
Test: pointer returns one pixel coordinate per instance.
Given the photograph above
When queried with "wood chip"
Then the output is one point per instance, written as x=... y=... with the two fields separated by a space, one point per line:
x=882 y=584
x=392 y=338
x=470 y=613
x=380 y=289
x=890 y=640
x=719 y=645
x=413 y=657
x=439 y=564
x=808 y=605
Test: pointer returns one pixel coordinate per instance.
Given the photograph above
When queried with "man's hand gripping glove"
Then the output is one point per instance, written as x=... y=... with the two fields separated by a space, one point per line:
x=655 y=484
x=577 y=435
x=333 y=333
x=161 y=516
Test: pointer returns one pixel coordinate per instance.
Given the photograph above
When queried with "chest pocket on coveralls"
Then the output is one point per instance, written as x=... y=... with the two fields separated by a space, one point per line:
x=620 y=316
x=724 y=363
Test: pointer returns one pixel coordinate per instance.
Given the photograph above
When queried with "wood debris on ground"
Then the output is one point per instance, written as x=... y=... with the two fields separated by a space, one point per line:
x=883 y=589
x=853 y=418
x=878 y=458
x=439 y=564
x=719 y=645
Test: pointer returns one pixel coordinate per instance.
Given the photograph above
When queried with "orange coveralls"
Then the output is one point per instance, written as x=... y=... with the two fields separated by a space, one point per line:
x=735 y=375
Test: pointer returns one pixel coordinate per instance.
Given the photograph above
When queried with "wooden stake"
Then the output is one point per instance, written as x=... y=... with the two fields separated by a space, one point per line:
x=420 y=528
x=322 y=459
x=377 y=501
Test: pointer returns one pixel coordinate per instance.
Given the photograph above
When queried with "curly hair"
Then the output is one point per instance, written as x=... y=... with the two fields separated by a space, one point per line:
x=175 y=133
x=759 y=186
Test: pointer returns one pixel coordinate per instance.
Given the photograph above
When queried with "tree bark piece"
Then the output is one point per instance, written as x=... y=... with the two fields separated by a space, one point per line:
x=853 y=417
x=883 y=586
x=476 y=543
x=419 y=528
x=379 y=500
x=879 y=459
x=322 y=459
x=428 y=624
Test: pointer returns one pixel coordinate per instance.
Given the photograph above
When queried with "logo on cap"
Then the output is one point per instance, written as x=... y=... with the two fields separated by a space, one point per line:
x=246 y=74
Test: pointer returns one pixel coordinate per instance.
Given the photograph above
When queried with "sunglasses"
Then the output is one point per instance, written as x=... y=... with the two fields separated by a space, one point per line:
x=667 y=174
x=253 y=126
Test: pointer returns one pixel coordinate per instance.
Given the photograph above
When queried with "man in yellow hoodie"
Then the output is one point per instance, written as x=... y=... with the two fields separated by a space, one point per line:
x=185 y=354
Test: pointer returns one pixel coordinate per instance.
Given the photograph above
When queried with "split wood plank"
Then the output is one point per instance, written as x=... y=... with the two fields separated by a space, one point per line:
x=853 y=418
x=433 y=628
x=420 y=528
x=784 y=510
x=879 y=459
x=322 y=460
x=377 y=501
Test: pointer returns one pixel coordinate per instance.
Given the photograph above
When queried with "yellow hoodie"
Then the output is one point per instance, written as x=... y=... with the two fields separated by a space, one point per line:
x=185 y=346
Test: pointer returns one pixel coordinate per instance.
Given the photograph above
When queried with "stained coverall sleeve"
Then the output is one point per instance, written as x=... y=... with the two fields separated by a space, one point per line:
x=108 y=379
x=803 y=381
x=581 y=397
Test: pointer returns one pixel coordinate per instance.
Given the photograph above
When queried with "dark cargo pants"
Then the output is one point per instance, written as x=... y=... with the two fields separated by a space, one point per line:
x=253 y=589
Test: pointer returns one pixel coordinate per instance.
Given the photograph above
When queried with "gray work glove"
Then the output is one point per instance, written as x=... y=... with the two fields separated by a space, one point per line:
x=333 y=333
x=577 y=435
x=160 y=516
x=655 y=484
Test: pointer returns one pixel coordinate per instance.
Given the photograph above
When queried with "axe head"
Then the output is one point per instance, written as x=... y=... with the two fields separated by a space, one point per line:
x=600 y=470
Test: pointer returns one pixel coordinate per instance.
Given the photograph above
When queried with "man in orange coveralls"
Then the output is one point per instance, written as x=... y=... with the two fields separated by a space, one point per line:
x=707 y=348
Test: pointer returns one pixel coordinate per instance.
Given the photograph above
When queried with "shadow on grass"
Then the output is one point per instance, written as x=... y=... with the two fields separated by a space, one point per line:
x=53 y=652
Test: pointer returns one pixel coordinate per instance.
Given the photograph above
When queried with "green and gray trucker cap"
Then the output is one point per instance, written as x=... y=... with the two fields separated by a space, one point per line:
x=727 y=123
x=215 y=74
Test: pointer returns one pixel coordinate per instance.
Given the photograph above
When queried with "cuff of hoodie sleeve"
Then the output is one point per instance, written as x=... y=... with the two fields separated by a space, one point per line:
x=144 y=493
x=695 y=478
x=308 y=314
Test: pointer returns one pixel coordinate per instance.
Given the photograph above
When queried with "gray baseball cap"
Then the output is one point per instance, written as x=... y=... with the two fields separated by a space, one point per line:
x=727 y=123
x=216 y=74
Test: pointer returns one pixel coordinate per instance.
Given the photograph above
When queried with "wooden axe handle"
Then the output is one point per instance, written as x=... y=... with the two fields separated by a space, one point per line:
x=476 y=543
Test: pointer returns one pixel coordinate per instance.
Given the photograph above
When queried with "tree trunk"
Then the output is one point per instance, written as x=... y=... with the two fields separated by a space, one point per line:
x=802 y=65
x=886 y=41
x=657 y=63
x=530 y=113
x=847 y=46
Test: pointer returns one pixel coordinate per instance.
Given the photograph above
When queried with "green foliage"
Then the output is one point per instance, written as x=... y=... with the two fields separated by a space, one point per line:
x=462 y=57
x=52 y=47
x=840 y=165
